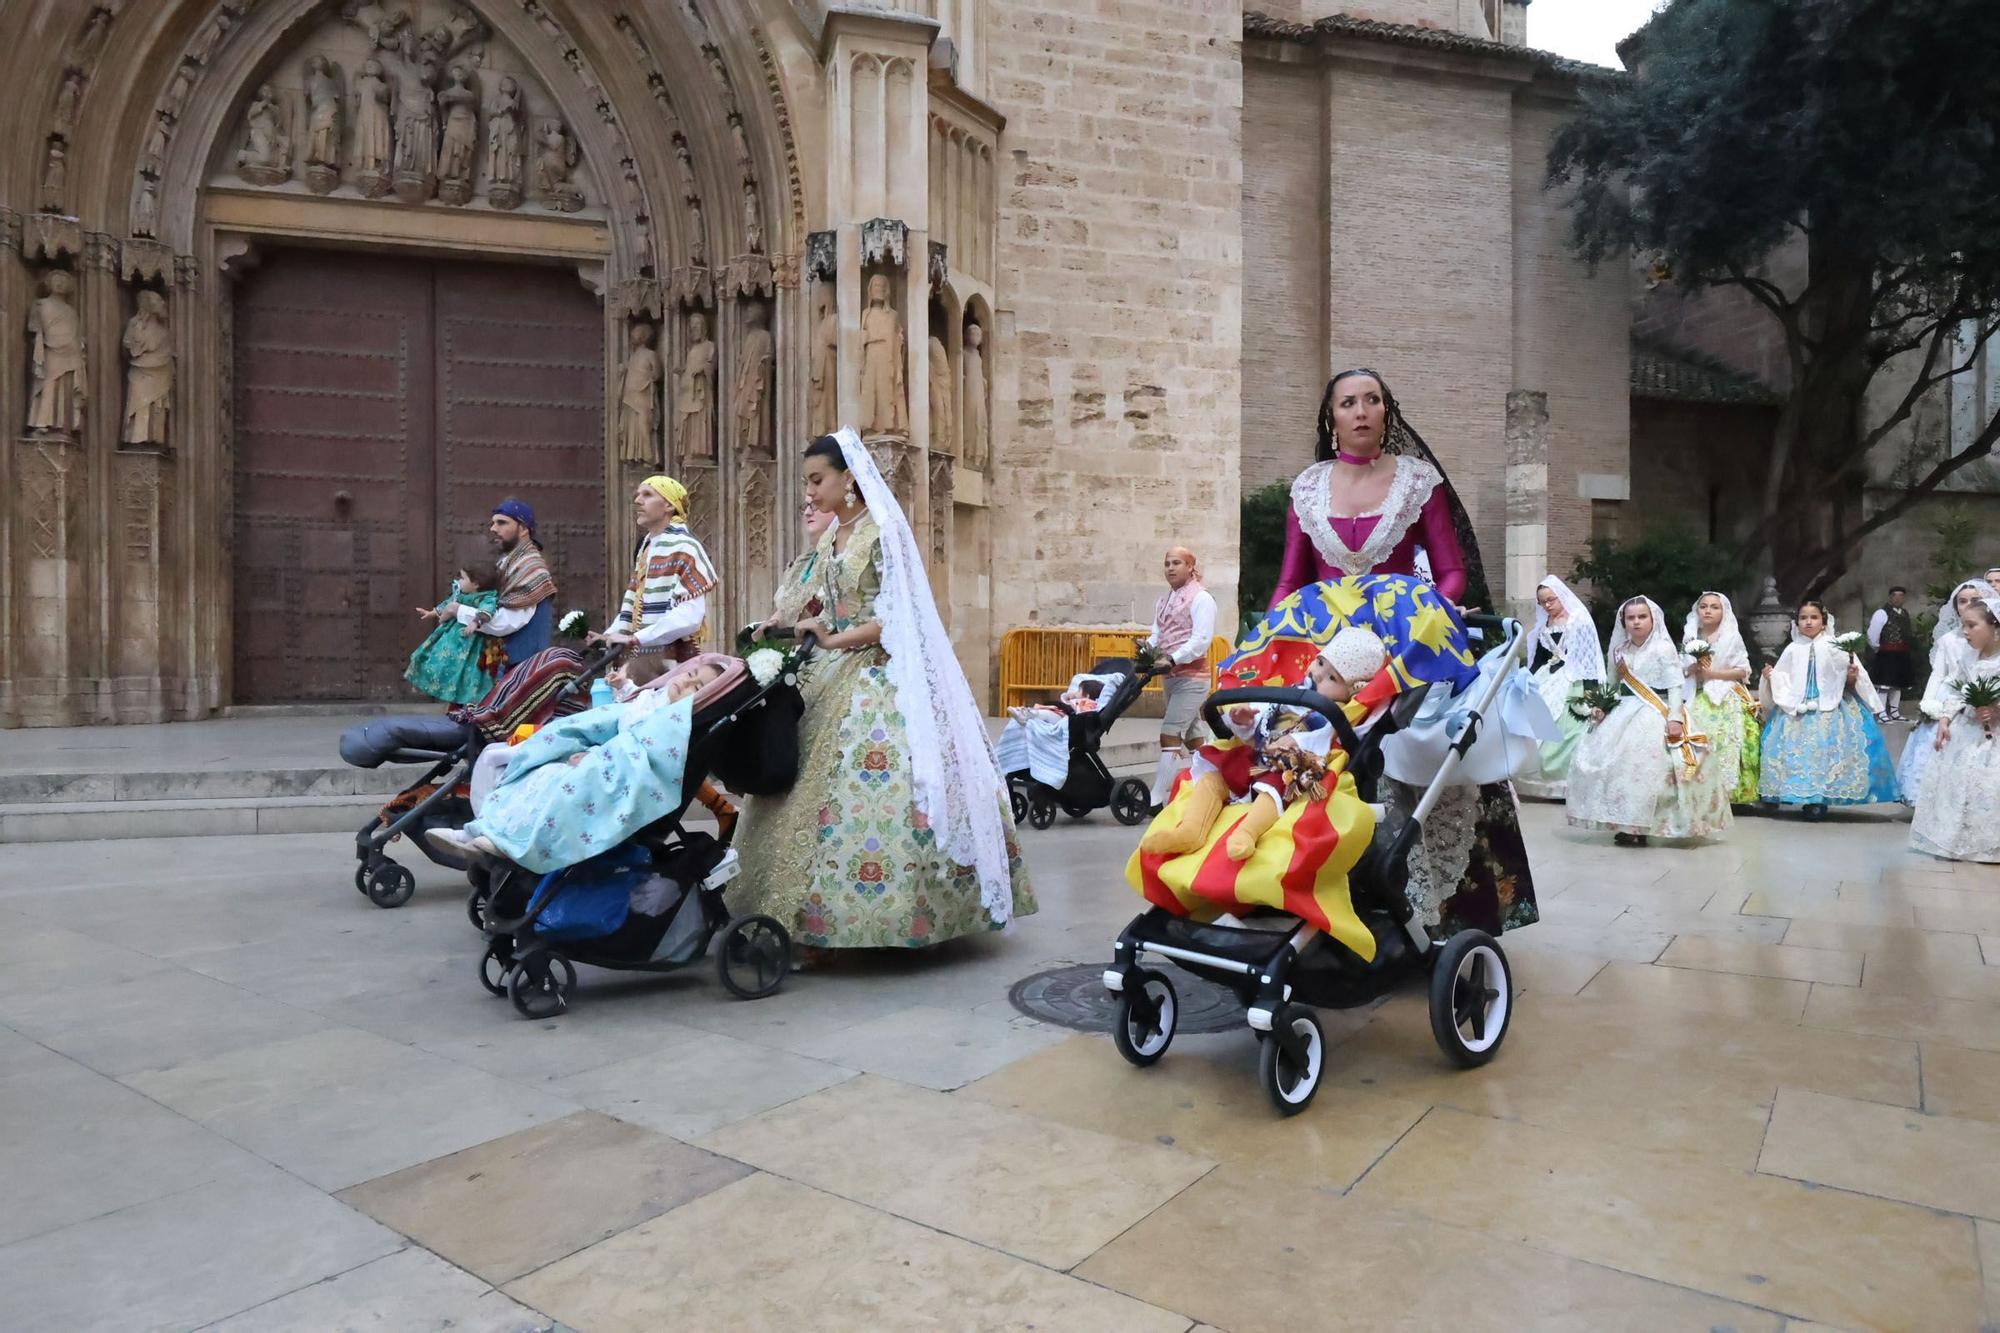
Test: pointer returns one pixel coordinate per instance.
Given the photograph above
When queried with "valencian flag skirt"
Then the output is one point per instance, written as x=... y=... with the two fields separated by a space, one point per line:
x=1426 y=638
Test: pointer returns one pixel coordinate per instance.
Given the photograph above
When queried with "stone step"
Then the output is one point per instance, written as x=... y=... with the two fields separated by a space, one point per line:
x=81 y=821
x=260 y=784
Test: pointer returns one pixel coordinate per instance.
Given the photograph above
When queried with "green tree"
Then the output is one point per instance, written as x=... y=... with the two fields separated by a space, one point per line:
x=1263 y=553
x=1670 y=566
x=1870 y=129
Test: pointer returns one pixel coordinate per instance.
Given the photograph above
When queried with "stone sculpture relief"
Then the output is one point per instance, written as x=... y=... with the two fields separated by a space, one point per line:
x=638 y=400
x=972 y=446
x=504 y=143
x=750 y=402
x=322 y=156
x=374 y=134
x=823 y=390
x=55 y=176
x=459 y=103
x=416 y=133
x=694 y=394
x=56 y=394
x=885 y=404
x=943 y=441
x=68 y=98
x=556 y=157
x=753 y=218
x=146 y=212
x=266 y=155
x=149 y=372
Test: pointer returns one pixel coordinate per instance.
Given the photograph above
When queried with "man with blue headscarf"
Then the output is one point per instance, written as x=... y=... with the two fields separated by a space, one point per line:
x=525 y=618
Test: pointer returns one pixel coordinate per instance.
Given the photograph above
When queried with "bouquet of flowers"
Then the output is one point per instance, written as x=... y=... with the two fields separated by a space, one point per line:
x=1593 y=696
x=1699 y=649
x=1853 y=643
x=1981 y=692
x=574 y=624
x=770 y=658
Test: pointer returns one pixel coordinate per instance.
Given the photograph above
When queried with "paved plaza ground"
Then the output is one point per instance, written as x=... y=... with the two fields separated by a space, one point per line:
x=1752 y=1086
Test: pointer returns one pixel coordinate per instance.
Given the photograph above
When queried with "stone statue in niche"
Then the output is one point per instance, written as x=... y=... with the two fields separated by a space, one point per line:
x=448 y=38
x=374 y=134
x=416 y=133
x=942 y=439
x=205 y=45
x=459 y=101
x=885 y=404
x=376 y=22
x=823 y=390
x=556 y=156
x=149 y=372
x=322 y=155
x=638 y=401
x=694 y=394
x=146 y=212
x=973 y=444
x=741 y=143
x=750 y=400
x=57 y=394
x=503 y=146
x=175 y=101
x=753 y=218
x=55 y=176
x=266 y=155
x=94 y=31
x=68 y=98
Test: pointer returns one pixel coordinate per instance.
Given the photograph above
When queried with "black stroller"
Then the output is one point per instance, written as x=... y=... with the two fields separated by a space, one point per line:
x=1278 y=965
x=1087 y=784
x=551 y=683
x=663 y=888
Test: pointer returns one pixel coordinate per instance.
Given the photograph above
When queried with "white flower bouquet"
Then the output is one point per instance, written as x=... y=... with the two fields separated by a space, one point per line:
x=1699 y=649
x=574 y=624
x=766 y=665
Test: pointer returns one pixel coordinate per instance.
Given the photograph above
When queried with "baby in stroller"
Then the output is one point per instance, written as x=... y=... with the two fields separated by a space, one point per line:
x=1051 y=752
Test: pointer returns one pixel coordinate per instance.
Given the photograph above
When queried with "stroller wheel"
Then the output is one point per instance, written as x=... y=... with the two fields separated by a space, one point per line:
x=1292 y=1059
x=361 y=878
x=1147 y=1010
x=754 y=958
x=390 y=885
x=1131 y=802
x=536 y=989
x=1041 y=814
x=495 y=965
x=1472 y=998
x=1018 y=799
x=1076 y=811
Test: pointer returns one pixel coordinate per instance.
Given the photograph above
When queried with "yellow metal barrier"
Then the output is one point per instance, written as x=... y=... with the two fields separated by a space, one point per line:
x=1038 y=662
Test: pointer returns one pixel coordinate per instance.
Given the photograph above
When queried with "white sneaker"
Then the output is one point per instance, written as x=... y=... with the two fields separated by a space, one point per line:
x=458 y=840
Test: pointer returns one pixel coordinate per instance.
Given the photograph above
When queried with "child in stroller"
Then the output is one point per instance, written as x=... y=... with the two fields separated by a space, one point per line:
x=1285 y=936
x=1051 y=753
x=652 y=898
x=553 y=683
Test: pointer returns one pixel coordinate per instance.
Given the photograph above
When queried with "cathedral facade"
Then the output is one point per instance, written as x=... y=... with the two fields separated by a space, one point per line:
x=301 y=288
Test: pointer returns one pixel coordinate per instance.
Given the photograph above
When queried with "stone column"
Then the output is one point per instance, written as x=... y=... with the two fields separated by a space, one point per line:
x=14 y=296
x=1527 y=499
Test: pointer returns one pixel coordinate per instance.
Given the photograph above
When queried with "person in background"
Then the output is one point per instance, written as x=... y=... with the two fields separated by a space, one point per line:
x=1183 y=625
x=525 y=617
x=1891 y=634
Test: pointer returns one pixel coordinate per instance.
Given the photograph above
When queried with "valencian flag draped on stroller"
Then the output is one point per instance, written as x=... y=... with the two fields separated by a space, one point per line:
x=1301 y=863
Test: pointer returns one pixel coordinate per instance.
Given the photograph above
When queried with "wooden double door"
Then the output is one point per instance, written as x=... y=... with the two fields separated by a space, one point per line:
x=382 y=407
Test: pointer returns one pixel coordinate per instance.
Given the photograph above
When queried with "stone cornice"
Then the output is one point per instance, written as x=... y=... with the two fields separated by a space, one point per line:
x=1497 y=56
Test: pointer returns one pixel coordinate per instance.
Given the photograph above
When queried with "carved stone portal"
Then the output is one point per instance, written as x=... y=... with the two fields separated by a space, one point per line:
x=885 y=403
x=638 y=400
x=694 y=394
x=57 y=395
x=149 y=372
x=750 y=401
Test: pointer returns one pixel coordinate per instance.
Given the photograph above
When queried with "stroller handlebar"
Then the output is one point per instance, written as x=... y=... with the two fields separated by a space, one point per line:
x=1216 y=703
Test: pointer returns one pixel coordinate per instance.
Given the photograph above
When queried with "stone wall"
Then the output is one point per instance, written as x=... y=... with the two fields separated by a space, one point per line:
x=1118 y=371
x=1285 y=250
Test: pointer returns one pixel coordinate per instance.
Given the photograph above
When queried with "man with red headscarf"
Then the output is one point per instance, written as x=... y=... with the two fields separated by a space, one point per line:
x=1183 y=624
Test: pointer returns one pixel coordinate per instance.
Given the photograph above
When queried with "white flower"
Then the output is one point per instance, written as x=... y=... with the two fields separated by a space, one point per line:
x=765 y=664
x=1697 y=648
x=572 y=621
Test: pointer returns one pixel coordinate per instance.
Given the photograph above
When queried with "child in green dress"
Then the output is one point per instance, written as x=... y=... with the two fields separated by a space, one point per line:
x=457 y=663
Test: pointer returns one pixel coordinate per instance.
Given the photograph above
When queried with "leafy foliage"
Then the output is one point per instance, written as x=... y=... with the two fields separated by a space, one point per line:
x=1871 y=130
x=1263 y=513
x=1670 y=566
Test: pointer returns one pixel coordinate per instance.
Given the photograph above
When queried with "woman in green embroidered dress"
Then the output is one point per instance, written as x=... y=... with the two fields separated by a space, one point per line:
x=897 y=832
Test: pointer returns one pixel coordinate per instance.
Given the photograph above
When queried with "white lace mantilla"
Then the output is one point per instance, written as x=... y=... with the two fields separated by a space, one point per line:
x=1312 y=501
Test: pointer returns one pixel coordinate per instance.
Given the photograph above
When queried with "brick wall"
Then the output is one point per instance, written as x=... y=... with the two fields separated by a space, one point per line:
x=1284 y=266
x=1572 y=337
x=1726 y=324
x=1118 y=369
x=1422 y=283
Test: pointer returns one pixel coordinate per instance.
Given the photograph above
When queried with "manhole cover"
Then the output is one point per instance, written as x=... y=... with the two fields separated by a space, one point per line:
x=1074 y=997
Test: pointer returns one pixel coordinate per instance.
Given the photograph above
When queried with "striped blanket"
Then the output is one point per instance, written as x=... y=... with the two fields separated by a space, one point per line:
x=527 y=695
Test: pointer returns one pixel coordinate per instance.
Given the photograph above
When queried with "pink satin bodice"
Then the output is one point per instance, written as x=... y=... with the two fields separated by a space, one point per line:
x=1433 y=531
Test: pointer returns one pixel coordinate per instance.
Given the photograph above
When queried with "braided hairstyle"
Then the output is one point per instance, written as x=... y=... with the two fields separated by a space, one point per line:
x=1400 y=437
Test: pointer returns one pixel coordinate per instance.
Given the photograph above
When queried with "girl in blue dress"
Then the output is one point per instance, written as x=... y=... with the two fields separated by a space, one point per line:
x=1822 y=746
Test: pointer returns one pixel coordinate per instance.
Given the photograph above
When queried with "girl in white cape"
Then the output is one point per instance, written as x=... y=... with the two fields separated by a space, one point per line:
x=1566 y=653
x=1949 y=658
x=1822 y=746
x=1958 y=813
x=1721 y=705
x=1638 y=771
x=897 y=832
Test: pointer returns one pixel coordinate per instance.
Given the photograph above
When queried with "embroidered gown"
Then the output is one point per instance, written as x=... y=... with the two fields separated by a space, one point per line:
x=1725 y=710
x=1951 y=656
x=1626 y=779
x=452 y=665
x=1958 y=811
x=1557 y=686
x=1495 y=887
x=1822 y=746
x=847 y=860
